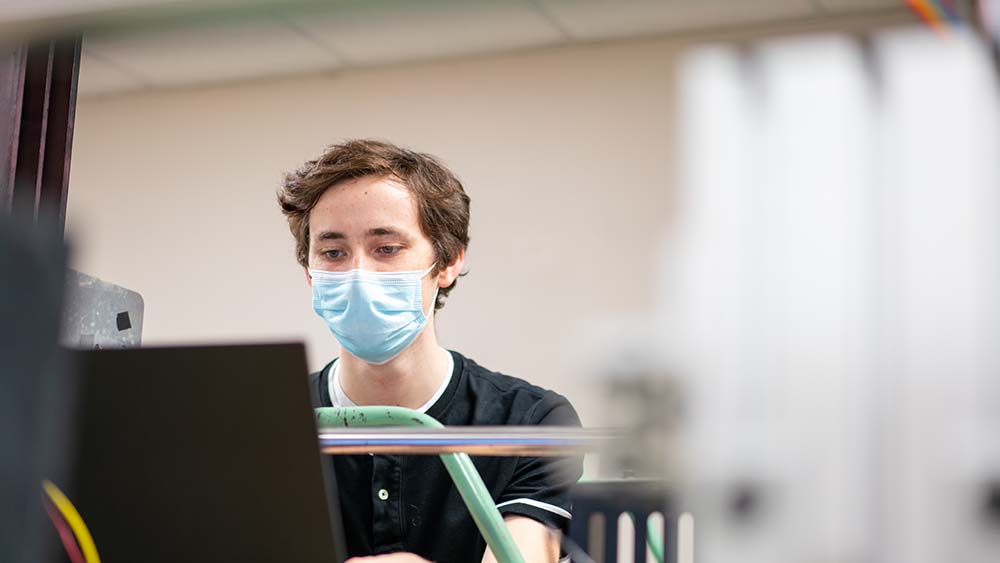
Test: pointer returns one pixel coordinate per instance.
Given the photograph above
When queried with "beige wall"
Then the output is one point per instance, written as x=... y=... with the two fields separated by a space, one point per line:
x=566 y=154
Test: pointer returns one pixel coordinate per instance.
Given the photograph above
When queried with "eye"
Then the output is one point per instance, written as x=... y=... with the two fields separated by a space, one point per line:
x=332 y=254
x=387 y=250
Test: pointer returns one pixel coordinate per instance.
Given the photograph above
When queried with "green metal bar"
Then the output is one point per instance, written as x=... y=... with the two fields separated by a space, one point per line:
x=654 y=540
x=463 y=473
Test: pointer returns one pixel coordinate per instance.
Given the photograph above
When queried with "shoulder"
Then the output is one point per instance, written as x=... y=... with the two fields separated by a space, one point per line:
x=504 y=399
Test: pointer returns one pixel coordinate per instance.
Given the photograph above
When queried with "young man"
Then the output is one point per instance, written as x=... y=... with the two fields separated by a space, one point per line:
x=381 y=232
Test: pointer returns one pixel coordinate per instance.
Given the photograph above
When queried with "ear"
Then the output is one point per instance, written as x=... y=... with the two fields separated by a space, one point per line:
x=448 y=275
x=309 y=279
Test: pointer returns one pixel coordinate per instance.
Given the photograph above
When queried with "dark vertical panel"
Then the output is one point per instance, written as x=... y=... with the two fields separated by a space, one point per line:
x=59 y=137
x=34 y=122
x=670 y=537
x=12 y=62
x=38 y=97
x=641 y=520
x=611 y=537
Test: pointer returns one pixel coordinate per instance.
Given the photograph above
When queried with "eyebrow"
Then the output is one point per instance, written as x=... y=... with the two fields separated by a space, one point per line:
x=330 y=235
x=374 y=232
x=384 y=232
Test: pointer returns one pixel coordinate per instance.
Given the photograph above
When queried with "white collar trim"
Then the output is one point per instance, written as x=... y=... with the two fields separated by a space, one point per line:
x=340 y=399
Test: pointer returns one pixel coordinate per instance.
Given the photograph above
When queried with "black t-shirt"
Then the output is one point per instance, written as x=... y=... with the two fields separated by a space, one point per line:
x=408 y=503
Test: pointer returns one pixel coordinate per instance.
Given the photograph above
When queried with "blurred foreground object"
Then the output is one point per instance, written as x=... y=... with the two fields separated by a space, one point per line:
x=34 y=399
x=834 y=300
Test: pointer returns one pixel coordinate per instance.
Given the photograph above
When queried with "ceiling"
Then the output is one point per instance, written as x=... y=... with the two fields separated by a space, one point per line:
x=271 y=40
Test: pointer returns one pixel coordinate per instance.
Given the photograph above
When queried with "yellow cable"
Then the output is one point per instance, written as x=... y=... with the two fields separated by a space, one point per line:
x=74 y=520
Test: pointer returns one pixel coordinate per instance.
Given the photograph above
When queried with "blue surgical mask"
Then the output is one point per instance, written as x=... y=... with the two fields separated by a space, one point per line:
x=374 y=315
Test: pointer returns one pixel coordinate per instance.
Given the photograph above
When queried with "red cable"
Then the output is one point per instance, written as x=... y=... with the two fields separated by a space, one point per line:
x=65 y=534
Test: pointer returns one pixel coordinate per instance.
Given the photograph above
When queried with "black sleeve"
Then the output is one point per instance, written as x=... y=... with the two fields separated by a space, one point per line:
x=540 y=486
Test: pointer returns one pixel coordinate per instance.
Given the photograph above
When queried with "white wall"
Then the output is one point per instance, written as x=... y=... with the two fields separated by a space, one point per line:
x=566 y=154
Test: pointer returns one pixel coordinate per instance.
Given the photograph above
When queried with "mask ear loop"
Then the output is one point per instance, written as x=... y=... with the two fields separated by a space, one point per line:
x=433 y=303
x=437 y=288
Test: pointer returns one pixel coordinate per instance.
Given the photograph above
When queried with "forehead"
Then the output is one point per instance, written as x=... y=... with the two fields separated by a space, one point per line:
x=354 y=206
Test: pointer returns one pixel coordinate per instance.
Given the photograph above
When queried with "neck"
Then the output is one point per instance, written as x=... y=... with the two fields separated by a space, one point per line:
x=408 y=380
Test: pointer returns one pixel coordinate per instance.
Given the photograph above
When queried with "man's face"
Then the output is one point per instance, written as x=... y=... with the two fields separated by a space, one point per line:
x=370 y=223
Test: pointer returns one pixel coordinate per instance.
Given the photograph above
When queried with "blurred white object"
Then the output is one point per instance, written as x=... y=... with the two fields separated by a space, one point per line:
x=940 y=331
x=774 y=299
x=835 y=300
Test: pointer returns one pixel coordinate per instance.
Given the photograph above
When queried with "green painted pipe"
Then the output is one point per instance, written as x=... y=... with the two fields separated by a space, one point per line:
x=463 y=472
x=654 y=540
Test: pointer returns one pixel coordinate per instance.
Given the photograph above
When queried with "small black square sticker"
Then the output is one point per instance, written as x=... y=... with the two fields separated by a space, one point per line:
x=124 y=323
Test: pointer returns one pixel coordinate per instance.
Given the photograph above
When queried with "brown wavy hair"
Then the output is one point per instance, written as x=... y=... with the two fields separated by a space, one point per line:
x=442 y=204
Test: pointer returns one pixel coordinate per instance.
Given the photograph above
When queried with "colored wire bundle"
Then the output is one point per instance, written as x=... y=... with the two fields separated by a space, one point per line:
x=65 y=534
x=938 y=14
x=73 y=532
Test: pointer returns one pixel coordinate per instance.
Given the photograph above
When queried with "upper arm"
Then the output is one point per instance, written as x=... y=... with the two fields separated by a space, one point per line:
x=535 y=541
x=537 y=498
x=539 y=487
